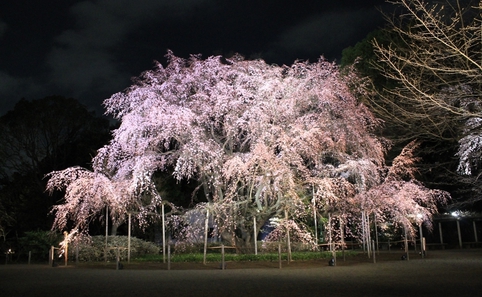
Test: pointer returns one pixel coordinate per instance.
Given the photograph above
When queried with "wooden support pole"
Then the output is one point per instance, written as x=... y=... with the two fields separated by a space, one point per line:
x=206 y=225
x=66 y=247
x=66 y=254
x=163 y=235
x=369 y=238
x=117 y=263
x=475 y=232
x=376 y=232
x=374 y=252
x=363 y=231
x=76 y=253
x=129 y=238
x=329 y=232
x=106 y=231
x=424 y=248
x=406 y=244
x=255 y=236
x=459 y=233
x=422 y=251
x=333 y=253
x=441 y=234
x=342 y=235
x=223 y=263
x=168 y=257
x=288 y=237
x=314 y=215
x=51 y=256
x=279 y=255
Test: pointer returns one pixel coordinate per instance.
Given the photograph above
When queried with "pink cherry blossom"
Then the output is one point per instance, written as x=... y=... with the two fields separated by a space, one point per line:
x=260 y=140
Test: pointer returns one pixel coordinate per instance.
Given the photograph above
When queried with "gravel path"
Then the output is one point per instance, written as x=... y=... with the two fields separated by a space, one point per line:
x=442 y=273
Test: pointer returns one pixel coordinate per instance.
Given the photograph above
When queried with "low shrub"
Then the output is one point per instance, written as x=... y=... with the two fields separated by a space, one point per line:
x=94 y=249
x=38 y=243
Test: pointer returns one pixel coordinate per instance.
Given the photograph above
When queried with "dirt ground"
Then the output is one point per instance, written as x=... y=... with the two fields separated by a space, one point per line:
x=441 y=273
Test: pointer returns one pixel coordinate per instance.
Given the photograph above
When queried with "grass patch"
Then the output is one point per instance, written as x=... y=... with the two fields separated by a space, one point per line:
x=216 y=257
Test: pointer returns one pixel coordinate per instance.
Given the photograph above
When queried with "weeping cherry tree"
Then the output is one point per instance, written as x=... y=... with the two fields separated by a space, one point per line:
x=258 y=140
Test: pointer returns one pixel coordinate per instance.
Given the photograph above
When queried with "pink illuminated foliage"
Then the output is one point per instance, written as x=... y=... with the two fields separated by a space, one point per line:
x=399 y=198
x=260 y=140
x=88 y=194
x=408 y=196
x=253 y=135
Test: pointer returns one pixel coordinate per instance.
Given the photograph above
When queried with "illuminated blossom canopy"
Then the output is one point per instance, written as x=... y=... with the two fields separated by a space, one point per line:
x=88 y=194
x=259 y=139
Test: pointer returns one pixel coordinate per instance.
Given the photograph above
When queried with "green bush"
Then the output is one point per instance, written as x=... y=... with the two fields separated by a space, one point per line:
x=38 y=243
x=94 y=248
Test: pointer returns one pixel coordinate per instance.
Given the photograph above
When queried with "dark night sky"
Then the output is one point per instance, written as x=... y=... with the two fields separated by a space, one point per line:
x=89 y=50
